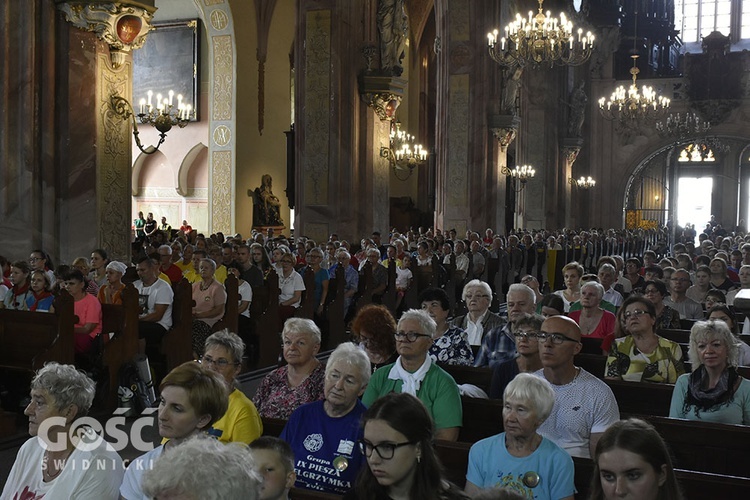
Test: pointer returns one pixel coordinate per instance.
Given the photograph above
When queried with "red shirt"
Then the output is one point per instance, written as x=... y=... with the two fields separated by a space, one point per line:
x=173 y=272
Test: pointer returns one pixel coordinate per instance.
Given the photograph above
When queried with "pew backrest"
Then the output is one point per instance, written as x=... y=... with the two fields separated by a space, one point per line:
x=123 y=346
x=177 y=344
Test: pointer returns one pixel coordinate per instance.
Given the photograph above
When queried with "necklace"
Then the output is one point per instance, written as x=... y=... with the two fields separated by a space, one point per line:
x=204 y=286
x=57 y=462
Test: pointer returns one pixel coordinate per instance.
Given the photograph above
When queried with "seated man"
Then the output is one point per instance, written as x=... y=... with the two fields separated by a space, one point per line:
x=155 y=298
x=499 y=345
x=678 y=300
x=584 y=405
x=608 y=277
x=166 y=266
x=479 y=320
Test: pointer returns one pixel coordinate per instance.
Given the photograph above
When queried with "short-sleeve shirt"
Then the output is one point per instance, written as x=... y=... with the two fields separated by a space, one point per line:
x=438 y=391
x=605 y=326
x=89 y=310
x=583 y=406
x=663 y=365
x=491 y=465
x=207 y=299
x=277 y=399
x=241 y=422
x=131 y=484
x=157 y=293
x=289 y=285
x=245 y=291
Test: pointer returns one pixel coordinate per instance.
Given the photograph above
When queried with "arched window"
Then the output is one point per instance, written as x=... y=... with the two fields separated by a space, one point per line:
x=696 y=153
x=698 y=18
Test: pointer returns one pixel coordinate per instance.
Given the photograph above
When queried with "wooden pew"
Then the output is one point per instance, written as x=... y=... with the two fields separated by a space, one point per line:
x=679 y=336
x=230 y=321
x=641 y=398
x=268 y=323
x=177 y=344
x=122 y=320
x=390 y=297
x=479 y=377
x=302 y=494
x=273 y=426
x=482 y=418
x=30 y=339
x=336 y=313
x=308 y=306
x=366 y=286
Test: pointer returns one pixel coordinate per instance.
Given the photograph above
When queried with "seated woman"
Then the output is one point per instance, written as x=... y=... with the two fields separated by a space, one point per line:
x=314 y=258
x=374 y=328
x=186 y=262
x=192 y=398
x=82 y=265
x=723 y=313
x=632 y=460
x=401 y=462
x=300 y=381
x=702 y=285
x=60 y=394
x=594 y=321
x=331 y=465
x=643 y=356
x=291 y=286
x=15 y=298
x=98 y=265
x=666 y=317
x=572 y=274
x=719 y=277
x=450 y=345
x=87 y=308
x=714 y=392
x=111 y=291
x=241 y=422
x=209 y=297
x=416 y=374
x=527 y=361
x=41 y=297
x=519 y=458
x=551 y=305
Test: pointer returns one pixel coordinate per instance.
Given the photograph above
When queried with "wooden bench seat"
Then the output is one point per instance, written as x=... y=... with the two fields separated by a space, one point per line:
x=122 y=322
x=177 y=344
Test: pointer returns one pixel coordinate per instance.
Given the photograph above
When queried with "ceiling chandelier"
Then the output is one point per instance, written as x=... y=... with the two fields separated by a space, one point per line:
x=522 y=173
x=583 y=182
x=403 y=153
x=681 y=128
x=632 y=107
x=540 y=40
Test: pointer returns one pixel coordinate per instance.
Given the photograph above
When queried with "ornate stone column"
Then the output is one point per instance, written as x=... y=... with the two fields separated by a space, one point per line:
x=504 y=129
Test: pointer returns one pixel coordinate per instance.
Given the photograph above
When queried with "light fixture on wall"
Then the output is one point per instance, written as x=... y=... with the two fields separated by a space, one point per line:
x=540 y=40
x=522 y=173
x=682 y=126
x=403 y=153
x=163 y=116
x=583 y=182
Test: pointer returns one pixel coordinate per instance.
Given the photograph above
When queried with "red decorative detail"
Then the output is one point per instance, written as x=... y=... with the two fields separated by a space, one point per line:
x=391 y=107
x=128 y=27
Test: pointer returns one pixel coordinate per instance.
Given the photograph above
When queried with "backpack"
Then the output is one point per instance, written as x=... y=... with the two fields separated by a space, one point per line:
x=133 y=392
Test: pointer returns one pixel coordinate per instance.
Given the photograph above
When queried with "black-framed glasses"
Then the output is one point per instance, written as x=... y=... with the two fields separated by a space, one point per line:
x=556 y=338
x=385 y=450
x=409 y=336
x=636 y=313
x=221 y=362
x=525 y=335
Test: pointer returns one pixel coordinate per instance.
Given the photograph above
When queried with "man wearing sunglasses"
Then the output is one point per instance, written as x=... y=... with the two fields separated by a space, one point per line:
x=584 y=405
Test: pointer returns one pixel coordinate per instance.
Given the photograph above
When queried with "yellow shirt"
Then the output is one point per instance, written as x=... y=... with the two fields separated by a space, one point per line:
x=221 y=274
x=241 y=423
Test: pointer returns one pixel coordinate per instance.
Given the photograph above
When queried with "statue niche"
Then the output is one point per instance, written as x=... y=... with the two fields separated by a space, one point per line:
x=266 y=205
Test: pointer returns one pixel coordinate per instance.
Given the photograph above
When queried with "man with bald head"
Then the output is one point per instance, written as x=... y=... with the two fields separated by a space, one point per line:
x=584 y=405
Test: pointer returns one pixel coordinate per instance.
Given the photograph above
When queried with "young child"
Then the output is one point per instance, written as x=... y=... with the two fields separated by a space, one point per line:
x=274 y=461
x=403 y=278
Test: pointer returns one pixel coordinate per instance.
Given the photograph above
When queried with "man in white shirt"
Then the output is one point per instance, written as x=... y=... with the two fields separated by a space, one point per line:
x=479 y=320
x=155 y=299
x=606 y=276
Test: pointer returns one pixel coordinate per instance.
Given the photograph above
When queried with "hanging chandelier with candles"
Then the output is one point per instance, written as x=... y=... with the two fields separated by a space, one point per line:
x=522 y=173
x=403 y=153
x=540 y=40
x=583 y=182
x=682 y=127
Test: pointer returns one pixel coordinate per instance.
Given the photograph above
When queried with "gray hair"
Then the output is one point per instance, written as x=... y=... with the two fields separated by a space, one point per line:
x=211 y=262
x=167 y=247
x=426 y=323
x=317 y=251
x=533 y=320
x=477 y=284
x=520 y=287
x=207 y=469
x=373 y=251
x=704 y=331
x=66 y=385
x=228 y=340
x=596 y=285
x=344 y=253
x=534 y=391
x=349 y=353
x=609 y=268
x=302 y=325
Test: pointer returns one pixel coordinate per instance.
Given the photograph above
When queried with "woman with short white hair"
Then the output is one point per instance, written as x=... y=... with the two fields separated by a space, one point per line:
x=594 y=321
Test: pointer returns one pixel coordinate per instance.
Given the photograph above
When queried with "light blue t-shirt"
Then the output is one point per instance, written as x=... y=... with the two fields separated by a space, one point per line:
x=491 y=465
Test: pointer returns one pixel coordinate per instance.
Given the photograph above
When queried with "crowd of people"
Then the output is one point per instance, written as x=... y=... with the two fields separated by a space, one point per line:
x=361 y=423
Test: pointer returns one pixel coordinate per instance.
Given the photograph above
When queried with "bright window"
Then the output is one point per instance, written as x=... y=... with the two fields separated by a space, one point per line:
x=698 y=18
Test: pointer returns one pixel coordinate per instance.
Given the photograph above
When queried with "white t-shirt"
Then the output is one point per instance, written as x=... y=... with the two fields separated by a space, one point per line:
x=402 y=278
x=287 y=287
x=245 y=292
x=87 y=475
x=584 y=406
x=158 y=293
x=131 y=483
x=3 y=291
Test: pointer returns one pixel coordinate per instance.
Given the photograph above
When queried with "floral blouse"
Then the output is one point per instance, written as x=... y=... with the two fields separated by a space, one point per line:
x=452 y=348
x=276 y=399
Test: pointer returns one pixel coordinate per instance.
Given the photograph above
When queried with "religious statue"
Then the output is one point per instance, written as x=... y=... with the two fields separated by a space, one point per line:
x=511 y=83
x=266 y=205
x=393 y=28
x=577 y=104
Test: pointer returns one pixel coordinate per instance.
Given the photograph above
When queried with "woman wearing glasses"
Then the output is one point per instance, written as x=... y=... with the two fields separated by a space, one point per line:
x=666 y=317
x=401 y=463
x=527 y=361
x=241 y=422
x=323 y=434
x=416 y=374
x=643 y=356
x=39 y=260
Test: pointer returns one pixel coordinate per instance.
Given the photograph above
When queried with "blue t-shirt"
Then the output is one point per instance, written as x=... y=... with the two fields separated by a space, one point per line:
x=318 y=441
x=491 y=465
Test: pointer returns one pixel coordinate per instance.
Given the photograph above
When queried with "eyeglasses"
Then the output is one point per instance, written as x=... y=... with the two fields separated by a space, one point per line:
x=385 y=450
x=525 y=335
x=636 y=313
x=649 y=291
x=409 y=337
x=34 y=259
x=221 y=362
x=556 y=338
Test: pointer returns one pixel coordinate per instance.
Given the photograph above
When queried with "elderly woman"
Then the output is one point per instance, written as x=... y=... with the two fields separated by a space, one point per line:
x=572 y=273
x=300 y=381
x=714 y=392
x=520 y=458
x=241 y=422
x=450 y=345
x=719 y=277
x=331 y=465
x=111 y=291
x=416 y=374
x=291 y=286
x=374 y=328
x=723 y=313
x=87 y=308
x=666 y=317
x=643 y=356
x=401 y=462
x=16 y=297
x=209 y=297
x=528 y=360
x=50 y=464
x=41 y=298
x=594 y=321
x=192 y=398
